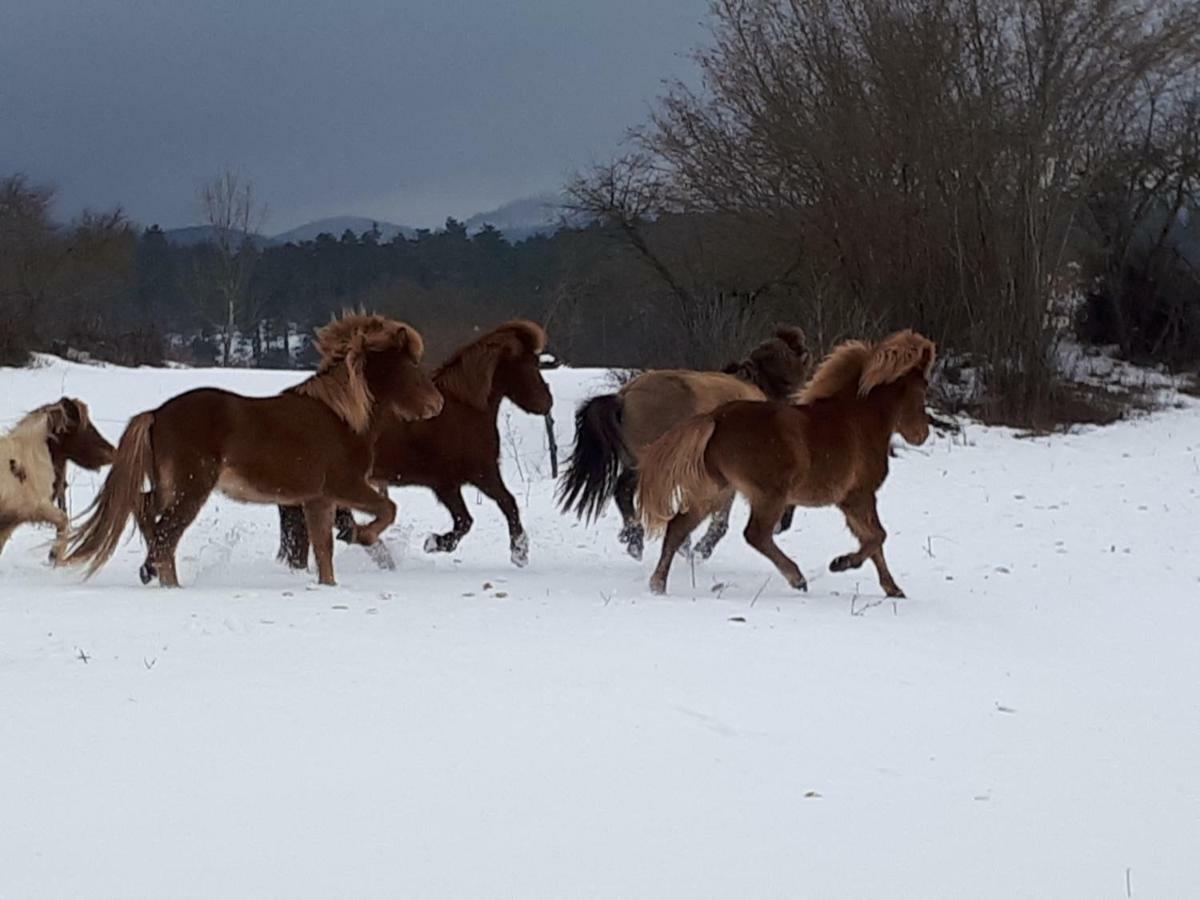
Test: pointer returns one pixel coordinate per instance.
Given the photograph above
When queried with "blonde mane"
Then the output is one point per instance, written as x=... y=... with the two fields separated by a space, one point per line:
x=50 y=420
x=468 y=374
x=862 y=367
x=340 y=382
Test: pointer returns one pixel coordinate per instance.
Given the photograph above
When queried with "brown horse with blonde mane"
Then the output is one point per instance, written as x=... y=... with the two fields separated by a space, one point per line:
x=828 y=449
x=311 y=445
x=459 y=446
x=612 y=430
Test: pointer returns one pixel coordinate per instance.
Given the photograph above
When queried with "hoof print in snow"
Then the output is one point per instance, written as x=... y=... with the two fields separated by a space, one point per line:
x=737 y=618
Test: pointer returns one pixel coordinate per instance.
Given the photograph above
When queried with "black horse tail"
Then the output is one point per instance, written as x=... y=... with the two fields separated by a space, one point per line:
x=590 y=479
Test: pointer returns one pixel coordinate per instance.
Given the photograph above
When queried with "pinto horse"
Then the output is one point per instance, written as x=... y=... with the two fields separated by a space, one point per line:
x=310 y=445
x=612 y=430
x=459 y=446
x=33 y=467
x=829 y=449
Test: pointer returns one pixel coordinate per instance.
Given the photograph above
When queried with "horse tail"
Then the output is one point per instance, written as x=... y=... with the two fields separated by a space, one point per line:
x=590 y=479
x=672 y=475
x=95 y=541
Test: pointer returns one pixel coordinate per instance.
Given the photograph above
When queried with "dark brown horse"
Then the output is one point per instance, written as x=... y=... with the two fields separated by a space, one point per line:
x=459 y=446
x=829 y=449
x=311 y=445
x=611 y=430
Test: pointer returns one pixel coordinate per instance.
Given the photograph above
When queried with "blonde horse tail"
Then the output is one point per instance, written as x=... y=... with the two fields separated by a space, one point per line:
x=672 y=475
x=95 y=541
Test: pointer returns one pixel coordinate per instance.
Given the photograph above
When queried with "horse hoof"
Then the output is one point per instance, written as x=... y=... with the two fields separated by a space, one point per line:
x=634 y=549
x=801 y=584
x=432 y=544
x=345 y=533
x=658 y=586
x=895 y=593
x=520 y=551
x=702 y=551
x=840 y=563
x=147 y=572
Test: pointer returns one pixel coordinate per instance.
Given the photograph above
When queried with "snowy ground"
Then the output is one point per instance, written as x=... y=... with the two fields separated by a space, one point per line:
x=1027 y=724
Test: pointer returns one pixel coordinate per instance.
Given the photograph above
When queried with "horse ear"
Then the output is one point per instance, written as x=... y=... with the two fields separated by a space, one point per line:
x=58 y=421
x=72 y=410
x=408 y=338
x=928 y=356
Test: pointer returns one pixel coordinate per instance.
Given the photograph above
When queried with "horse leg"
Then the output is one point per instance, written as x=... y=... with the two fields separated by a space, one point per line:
x=318 y=518
x=145 y=515
x=50 y=514
x=863 y=520
x=518 y=541
x=174 y=521
x=293 y=537
x=450 y=496
x=344 y=524
x=785 y=521
x=362 y=496
x=717 y=528
x=760 y=534
x=632 y=534
x=678 y=530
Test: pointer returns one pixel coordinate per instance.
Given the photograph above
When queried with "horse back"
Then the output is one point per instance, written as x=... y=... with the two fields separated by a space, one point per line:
x=260 y=448
x=656 y=401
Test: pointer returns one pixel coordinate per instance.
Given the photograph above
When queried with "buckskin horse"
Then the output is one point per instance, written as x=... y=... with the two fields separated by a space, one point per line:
x=459 y=446
x=612 y=430
x=828 y=449
x=310 y=445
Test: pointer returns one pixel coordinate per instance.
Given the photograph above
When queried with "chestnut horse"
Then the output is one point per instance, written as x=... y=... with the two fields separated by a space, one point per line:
x=611 y=430
x=459 y=446
x=310 y=445
x=33 y=467
x=829 y=449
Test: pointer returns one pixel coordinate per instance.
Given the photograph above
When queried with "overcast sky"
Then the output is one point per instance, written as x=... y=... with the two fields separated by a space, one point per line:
x=400 y=110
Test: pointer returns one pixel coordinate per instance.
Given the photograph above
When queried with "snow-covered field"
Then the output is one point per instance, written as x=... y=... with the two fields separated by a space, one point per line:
x=1026 y=724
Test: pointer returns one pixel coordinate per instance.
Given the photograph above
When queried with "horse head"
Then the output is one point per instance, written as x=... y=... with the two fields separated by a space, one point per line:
x=502 y=363
x=374 y=361
x=904 y=360
x=778 y=366
x=73 y=436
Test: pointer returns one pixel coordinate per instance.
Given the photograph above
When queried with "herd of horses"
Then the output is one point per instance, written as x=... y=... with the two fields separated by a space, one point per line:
x=670 y=447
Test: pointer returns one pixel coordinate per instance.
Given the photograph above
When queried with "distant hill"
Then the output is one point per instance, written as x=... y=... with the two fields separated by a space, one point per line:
x=516 y=220
x=521 y=218
x=337 y=225
x=191 y=235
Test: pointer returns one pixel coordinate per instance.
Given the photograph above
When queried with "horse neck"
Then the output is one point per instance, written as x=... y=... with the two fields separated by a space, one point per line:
x=882 y=412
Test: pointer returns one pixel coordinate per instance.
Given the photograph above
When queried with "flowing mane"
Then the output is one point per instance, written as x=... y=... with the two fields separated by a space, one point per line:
x=52 y=419
x=468 y=374
x=862 y=367
x=340 y=382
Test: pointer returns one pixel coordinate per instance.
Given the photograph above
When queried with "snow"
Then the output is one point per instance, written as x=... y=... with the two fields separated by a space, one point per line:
x=1026 y=724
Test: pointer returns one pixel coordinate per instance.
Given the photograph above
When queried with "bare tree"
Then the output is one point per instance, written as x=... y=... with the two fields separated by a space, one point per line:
x=918 y=162
x=231 y=209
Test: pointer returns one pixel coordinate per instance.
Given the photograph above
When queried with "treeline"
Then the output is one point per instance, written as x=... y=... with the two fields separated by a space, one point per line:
x=104 y=287
x=986 y=171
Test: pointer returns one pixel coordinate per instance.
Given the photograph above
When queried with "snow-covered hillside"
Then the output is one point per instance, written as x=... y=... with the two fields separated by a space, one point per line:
x=1026 y=724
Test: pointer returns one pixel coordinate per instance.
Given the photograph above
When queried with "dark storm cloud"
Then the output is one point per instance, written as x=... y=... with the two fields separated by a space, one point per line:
x=403 y=111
